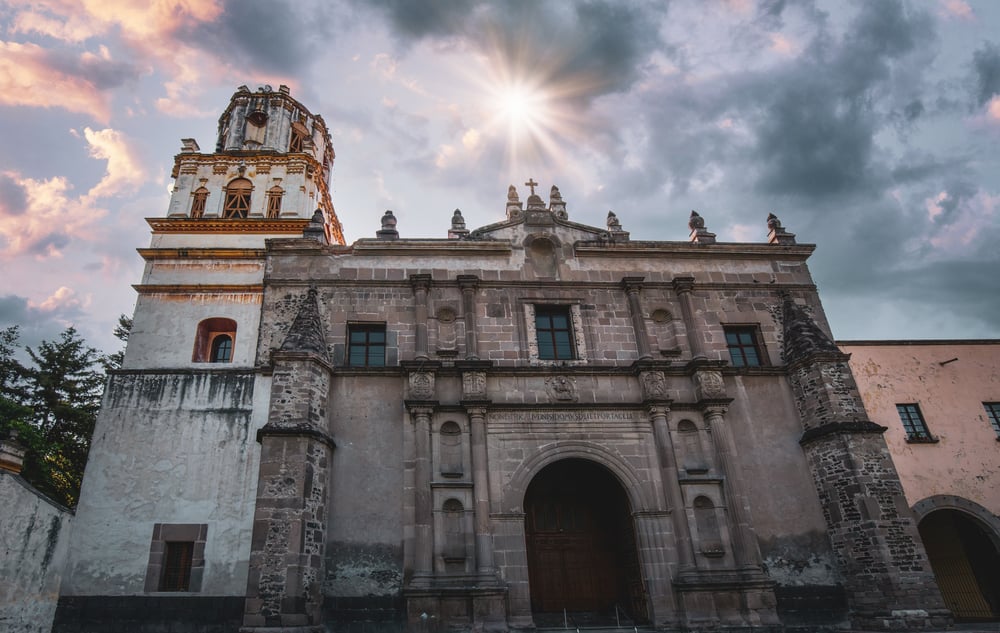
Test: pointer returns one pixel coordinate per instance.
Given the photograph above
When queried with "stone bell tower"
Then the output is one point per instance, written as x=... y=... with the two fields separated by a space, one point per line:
x=272 y=161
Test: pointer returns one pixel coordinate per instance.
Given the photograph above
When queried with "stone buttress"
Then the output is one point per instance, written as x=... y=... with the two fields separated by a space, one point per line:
x=888 y=579
x=284 y=588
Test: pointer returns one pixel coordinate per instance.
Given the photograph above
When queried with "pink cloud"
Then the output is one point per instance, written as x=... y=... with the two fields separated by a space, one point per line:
x=64 y=299
x=973 y=215
x=957 y=9
x=124 y=168
x=29 y=77
x=51 y=220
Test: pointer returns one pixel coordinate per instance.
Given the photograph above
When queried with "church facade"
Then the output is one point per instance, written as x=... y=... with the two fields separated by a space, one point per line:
x=533 y=423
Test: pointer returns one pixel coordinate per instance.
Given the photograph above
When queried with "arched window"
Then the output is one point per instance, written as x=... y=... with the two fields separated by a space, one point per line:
x=222 y=348
x=298 y=140
x=705 y=519
x=214 y=341
x=198 y=201
x=237 y=199
x=274 y=201
x=451 y=450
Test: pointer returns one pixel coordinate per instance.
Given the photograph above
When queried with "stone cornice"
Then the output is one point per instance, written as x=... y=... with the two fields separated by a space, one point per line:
x=200 y=253
x=199 y=289
x=288 y=226
x=685 y=250
x=834 y=428
x=299 y=430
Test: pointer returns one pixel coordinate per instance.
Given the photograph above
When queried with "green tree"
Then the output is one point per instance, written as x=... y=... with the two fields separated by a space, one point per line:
x=121 y=332
x=53 y=404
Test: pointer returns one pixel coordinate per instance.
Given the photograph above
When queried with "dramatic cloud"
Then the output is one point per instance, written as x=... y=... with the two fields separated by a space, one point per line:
x=33 y=76
x=986 y=64
x=124 y=170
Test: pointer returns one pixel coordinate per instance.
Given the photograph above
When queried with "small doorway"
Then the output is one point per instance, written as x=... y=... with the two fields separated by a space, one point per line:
x=966 y=564
x=582 y=557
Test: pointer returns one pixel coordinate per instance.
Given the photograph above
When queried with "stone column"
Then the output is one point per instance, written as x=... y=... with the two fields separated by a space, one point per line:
x=651 y=541
x=632 y=286
x=671 y=486
x=683 y=287
x=746 y=549
x=468 y=284
x=423 y=559
x=284 y=584
x=421 y=284
x=480 y=487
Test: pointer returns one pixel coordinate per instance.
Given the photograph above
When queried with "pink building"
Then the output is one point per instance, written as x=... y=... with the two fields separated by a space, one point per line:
x=940 y=401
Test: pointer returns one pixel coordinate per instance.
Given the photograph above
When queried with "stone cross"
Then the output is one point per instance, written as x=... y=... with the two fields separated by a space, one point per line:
x=531 y=184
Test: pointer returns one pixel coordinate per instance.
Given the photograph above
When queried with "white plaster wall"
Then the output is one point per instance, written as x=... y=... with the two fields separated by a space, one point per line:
x=169 y=448
x=204 y=271
x=966 y=460
x=34 y=536
x=165 y=327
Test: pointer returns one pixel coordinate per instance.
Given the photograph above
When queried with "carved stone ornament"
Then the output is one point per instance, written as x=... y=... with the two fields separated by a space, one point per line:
x=561 y=389
x=654 y=385
x=474 y=385
x=710 y=385
x=422 y=385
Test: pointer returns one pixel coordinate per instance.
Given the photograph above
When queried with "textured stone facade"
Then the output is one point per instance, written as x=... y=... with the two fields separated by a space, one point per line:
x=494 y=429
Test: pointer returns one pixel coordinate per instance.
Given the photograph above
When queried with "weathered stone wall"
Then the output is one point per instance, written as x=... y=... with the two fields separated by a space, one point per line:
x=34 y=535
x=171 y=447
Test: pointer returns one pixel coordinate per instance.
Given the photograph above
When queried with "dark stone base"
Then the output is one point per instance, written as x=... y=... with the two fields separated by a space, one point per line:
x=809 y=607
x=365 y=614
x=148 y=614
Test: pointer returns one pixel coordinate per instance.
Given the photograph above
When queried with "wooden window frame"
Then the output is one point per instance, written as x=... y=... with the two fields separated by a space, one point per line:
x=914 y=423
x=368 y=345
x=738 y=349
x=551 y=334
x=239 y=198
x=185 y=543
x=198 y=202
x=207 y=332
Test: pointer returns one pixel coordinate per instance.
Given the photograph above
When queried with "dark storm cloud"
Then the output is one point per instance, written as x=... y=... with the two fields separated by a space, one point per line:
x=592 y=47
x=13 y=200
x=101 y=73
x=956 y=192
x=816 y=135
x=986 y=64
x=264 y=36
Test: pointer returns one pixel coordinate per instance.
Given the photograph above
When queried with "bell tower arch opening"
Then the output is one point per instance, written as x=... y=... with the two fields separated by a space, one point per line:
x=965 y=556
x=581 y=546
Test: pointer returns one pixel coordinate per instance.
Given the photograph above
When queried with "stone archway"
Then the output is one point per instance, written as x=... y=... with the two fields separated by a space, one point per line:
x=581 y=546
x=961 y=541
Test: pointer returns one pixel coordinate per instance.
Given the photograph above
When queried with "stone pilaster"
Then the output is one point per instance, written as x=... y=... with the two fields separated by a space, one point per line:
x=889 y=582
x=683 y=287
x=284 y=586
x=468 y=284
x=632 y=287
x=480 y=487
x=423 y=555
x=421 y=285
x=658 y=411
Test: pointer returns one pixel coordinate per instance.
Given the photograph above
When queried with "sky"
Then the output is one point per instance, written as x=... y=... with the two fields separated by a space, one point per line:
x=871 y=128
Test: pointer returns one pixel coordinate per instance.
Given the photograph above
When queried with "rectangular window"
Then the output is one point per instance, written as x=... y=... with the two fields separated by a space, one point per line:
x=744 y=347
x=554 y=331
x=177 y=559
x=913 y=423
x=366 y=345
x=993 y=412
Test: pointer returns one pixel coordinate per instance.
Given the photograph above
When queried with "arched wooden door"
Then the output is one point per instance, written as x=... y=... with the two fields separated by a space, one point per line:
x=966 y=564
x=581 y=543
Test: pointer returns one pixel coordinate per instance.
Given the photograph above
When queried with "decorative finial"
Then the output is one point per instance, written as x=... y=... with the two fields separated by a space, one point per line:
x=315 y=229
x=554 y=195
x=613 y=223
x=699 y=234
x=388 y=230
x=776 y=234
x=512 y=194
x=531 y=184
x=458 y=230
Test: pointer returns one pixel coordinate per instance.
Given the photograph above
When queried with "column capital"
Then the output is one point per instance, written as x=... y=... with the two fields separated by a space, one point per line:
x=420 y=282
x=716 y=409
x=468 y=282
x=683 y=284
x=658 y=408
x=632 y=285
x=421 y=408
x=476 y=408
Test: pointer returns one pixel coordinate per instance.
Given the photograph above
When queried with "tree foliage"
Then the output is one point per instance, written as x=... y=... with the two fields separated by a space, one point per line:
x=52 y=403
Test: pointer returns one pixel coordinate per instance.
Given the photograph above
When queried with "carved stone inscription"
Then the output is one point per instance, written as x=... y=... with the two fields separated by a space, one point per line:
x=566 y=416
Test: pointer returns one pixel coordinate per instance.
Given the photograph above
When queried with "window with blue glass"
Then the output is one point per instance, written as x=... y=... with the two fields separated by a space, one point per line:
x=744 y=346
x=554 y=331
x=913 y=423
x=366 y=345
